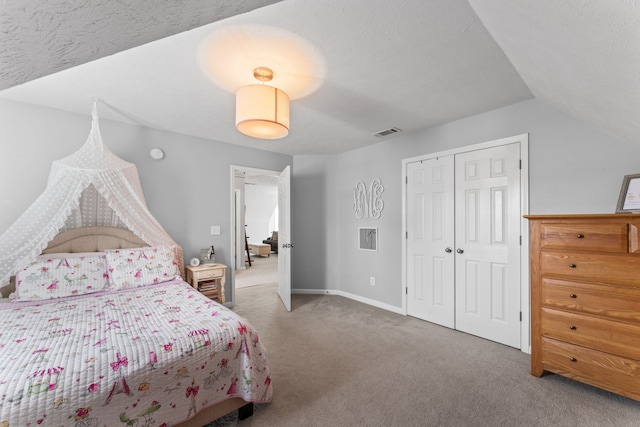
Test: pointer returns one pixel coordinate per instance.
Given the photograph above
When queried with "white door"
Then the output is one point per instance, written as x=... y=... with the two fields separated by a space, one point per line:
x=487 y=191
x=430 y=239
x=468 y=202
x=284 y=237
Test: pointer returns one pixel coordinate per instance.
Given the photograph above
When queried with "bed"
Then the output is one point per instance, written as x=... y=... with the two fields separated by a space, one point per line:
x=135 y=354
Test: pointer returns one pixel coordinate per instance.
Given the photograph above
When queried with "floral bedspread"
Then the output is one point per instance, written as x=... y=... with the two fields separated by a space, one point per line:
x=150 y=356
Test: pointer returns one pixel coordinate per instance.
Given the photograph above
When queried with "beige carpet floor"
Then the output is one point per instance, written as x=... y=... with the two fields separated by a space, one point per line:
x=337 y=362
x=262 y=270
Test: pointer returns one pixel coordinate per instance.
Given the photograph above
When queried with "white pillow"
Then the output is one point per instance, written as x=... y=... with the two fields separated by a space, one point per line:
x=62 y=277
x=131 y=268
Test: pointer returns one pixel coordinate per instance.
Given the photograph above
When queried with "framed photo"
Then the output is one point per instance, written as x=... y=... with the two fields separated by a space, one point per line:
x=629 y=198
x=368 y=239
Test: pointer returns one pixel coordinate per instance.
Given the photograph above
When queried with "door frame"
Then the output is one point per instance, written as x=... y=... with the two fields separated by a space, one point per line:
x=523 y=139
x=232 y=196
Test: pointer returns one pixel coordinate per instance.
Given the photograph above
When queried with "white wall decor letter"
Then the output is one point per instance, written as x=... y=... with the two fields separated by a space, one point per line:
x=368 y=203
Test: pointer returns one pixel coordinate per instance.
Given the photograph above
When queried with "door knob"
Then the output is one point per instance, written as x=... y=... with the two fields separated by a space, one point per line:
x=460 y=250
x=448 y=250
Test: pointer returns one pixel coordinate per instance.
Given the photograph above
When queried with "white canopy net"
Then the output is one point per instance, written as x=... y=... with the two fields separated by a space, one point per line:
x=91 y=187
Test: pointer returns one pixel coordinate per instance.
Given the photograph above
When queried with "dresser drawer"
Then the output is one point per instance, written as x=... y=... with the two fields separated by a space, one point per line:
x=614 y=373
x=614 y=302
x=208 y=274
x=593 y=332
x=588 y=237
x=604 y=268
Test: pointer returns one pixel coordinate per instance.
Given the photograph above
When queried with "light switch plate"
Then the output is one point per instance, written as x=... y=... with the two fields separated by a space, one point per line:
x=215 y=230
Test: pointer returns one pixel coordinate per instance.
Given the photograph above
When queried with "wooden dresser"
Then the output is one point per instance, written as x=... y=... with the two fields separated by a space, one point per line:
x=585 y=299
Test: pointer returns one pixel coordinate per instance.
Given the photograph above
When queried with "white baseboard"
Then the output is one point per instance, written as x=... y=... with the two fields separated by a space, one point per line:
x=358 y=298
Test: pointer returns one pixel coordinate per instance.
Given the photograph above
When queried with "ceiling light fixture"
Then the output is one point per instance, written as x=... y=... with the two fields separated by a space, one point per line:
x=262 y=111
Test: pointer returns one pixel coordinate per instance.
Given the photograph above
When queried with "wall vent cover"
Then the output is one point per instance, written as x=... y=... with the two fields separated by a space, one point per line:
x=387 y=132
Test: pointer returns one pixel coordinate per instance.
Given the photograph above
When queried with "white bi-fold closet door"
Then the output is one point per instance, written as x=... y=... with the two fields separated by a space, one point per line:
x=463 y=242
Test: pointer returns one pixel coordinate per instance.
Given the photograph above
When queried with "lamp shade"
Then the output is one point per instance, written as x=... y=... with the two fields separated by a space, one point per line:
x=262 y=112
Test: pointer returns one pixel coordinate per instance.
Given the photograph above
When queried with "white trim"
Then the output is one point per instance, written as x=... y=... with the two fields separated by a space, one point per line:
x=237 y=199
x=523 y=139
x=467 y=148
x=358 y=298
x=525 y=325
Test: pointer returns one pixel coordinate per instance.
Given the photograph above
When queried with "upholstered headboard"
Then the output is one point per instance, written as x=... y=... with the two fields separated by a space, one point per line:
x=93 y=239
x=86 y=239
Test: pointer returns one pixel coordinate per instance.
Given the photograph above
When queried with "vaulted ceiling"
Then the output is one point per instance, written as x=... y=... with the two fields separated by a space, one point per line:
x=369 y=65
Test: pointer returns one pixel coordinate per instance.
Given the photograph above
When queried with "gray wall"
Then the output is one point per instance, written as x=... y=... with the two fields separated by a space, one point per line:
x=187 y=191
x=314 y=255
x=574 y=168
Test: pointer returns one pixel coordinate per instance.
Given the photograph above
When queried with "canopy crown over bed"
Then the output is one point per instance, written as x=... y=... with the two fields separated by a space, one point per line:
x=91 y=187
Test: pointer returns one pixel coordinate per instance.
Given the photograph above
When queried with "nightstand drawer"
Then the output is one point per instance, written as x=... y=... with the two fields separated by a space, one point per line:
x=613 y=302
x=593 y=332
x=208 y=274
x=589 y=237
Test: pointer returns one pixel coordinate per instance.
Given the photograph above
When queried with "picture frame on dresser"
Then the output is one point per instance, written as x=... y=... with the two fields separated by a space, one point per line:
x=629 y=198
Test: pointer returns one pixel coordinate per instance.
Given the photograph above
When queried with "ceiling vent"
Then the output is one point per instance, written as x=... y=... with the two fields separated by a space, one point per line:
x=387 y=132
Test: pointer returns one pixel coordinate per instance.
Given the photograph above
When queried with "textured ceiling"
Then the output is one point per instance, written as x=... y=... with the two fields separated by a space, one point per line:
x=46 y=36
x=410 y=64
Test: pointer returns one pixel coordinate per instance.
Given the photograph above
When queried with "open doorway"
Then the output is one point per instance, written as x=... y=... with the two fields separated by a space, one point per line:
x=257 y=201
x=261 y=230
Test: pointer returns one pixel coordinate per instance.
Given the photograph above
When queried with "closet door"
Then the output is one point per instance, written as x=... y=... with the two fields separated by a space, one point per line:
x=487 y=192
x=430 y=222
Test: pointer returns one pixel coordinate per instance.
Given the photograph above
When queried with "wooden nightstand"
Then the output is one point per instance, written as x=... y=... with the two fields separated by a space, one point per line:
x=208 y=279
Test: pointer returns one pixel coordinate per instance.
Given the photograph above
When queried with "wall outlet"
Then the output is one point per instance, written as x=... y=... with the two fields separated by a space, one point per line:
x=372 y=281
x=215 y=230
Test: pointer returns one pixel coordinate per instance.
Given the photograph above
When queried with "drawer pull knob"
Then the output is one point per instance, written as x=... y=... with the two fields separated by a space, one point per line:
x=572 y=266
x=580 y=236
x=573 y=359
x=573 y=296
x=573 y=328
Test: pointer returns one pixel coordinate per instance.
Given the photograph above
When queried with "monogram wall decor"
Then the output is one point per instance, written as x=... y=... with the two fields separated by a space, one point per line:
x=368 y=203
